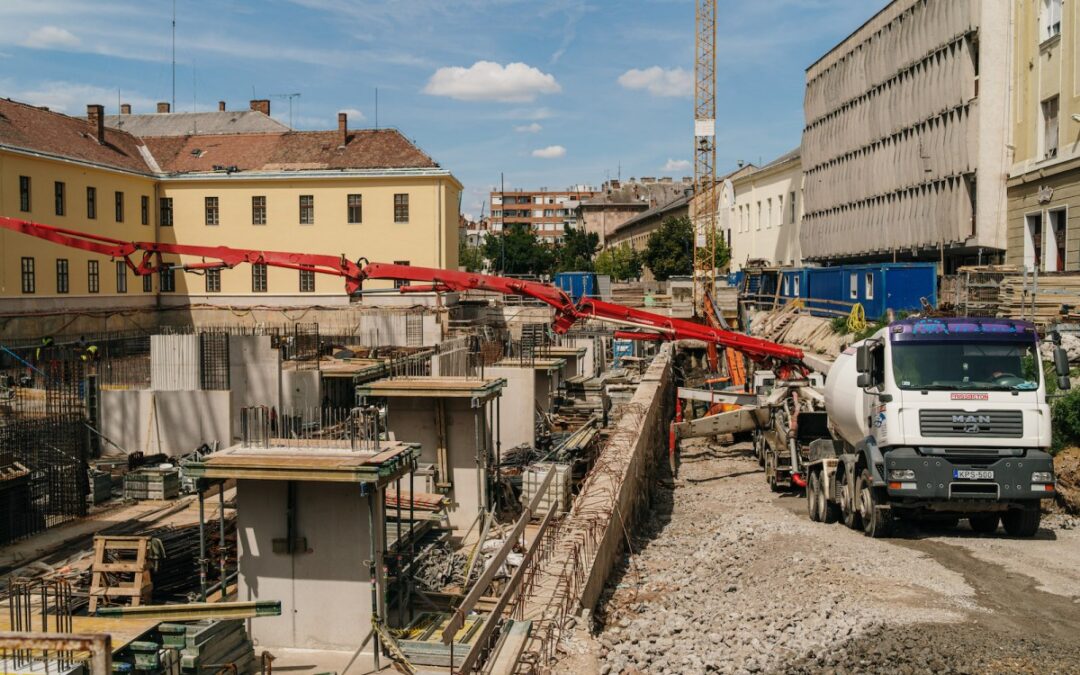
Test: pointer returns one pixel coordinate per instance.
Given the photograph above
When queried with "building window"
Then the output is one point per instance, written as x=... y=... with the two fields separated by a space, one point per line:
x=791 y=206
x=401 y=208
x=213 y=280
x=24 y=194
x=167 y=278
x=797 y=281
x=307 y=209
x=853 y=283
x=398 y=283
x=91 y=203
x=1050 y=127
x=58 y=191
x=355 y=208
x=307 y=281
x=1055 y=240
x=166 y=212
x=759 y=215
x=93 y=276
x=258 y=210
x=148 y=283
x=211 y=210
x=144 y=210
x=28 y=275
x=869 y=290
x=121 y=276
x=119 y=207
x=1050 y=20
x=258 y=278
x=62 y=277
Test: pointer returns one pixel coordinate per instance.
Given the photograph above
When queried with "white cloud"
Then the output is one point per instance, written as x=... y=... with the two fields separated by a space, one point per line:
x=677 y=165
x=550 y=152
x=658 y=81
x=353 y=113
x=528 y=128
x=50 y=37
x=72 y=98
x=489 y=81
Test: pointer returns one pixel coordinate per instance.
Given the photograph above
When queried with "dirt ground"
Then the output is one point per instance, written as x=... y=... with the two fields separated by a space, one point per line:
x=726 y=576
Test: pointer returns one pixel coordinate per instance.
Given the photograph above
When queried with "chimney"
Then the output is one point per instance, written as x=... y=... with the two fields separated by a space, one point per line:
x=125 y=108
x=261 y=105
x=221 y=106
x=162 y=107
x=95 y=115
x=343 y=129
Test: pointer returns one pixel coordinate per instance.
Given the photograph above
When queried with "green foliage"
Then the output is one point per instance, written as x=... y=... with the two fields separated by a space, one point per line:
x=1065 y=420
x=470 y=257
x=621 y=263
x=576 y=252
x=723 y=253
x=839 y=325
x=518 y=251
x=670 y=249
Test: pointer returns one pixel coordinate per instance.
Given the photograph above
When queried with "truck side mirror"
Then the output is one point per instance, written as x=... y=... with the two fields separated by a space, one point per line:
x=862 y=359
x=1061 y=362
x=865 y=380
x=1064 y=383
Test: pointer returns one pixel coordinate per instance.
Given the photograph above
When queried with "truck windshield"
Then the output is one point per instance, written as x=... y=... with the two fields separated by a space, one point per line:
x=982 y=365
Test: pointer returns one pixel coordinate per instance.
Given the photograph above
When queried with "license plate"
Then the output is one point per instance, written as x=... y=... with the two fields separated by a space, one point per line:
x=972 y=474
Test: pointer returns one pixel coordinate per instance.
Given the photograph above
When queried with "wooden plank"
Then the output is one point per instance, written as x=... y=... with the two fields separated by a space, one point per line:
x=510 y=648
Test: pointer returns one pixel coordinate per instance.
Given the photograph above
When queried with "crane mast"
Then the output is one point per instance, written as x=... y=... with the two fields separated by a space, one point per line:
x=704 y=203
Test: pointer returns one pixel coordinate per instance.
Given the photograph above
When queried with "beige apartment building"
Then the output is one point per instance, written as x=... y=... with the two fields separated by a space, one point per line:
x=1044 y=181
x=761 y=212
x=545 y=212
x=904 y=145
x=358 y=193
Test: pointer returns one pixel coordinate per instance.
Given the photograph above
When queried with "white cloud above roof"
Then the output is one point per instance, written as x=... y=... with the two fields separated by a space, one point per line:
x=659 y=81
x=550 y=152
x=490 y=81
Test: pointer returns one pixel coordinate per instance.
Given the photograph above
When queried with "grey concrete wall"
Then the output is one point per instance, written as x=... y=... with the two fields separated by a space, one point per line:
x=518 y=407
x=593 y=363
x=175 y=362
x=254 y=375
x=300 y=389
x=171 y=422
x=325 y=593
x=413 y=420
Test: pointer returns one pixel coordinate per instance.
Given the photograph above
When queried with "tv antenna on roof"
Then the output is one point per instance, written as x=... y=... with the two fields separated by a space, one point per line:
x=290 y=97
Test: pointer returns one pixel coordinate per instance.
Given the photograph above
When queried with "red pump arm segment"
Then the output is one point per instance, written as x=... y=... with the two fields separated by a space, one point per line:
x=566 y=311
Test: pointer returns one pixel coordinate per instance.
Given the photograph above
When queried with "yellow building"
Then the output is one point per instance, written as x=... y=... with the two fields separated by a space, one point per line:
x=1044 y=181
x=366 y=193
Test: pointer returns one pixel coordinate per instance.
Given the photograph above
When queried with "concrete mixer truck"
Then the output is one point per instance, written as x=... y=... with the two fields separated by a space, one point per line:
x=937 y=418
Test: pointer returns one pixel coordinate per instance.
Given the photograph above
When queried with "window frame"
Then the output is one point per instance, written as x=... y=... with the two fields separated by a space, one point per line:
x=307 y=280
x=165 y=211
x=212 y=280
x=148 y=283
x=398 y=283
x=91 y=202
x=358 y=219
x=63 y=276
x=121 y=277
x=93 y=276
x=1049 y=28
x=59 y=197
x=258 y=210
x=144 y=209
x=167 y=278
x=118 y=204
x=853 y=283
x=1051 y=140
x=307 y=212
x=25 y=194
x=260 y=282
x=401 y=207
x=211 y=211
x=868 y=285
x=27 y=275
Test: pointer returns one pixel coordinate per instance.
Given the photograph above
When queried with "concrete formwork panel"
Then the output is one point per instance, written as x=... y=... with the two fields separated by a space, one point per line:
x=518 y=423
x=254 y=375
x=325 y=590
x=170 y=422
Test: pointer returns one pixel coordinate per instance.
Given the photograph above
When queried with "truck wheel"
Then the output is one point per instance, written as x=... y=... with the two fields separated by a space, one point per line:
x=876 y=522
x=759 y=448
x=1022 y=522
x=848 y=511
x=984 y=523
x=828 y=511
x=813 y=503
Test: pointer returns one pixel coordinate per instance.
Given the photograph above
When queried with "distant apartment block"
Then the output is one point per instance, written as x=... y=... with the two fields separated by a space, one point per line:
x=904 y=145
x=1044 y=180
x=761 y=212
x=620 y=201
x=545 y=212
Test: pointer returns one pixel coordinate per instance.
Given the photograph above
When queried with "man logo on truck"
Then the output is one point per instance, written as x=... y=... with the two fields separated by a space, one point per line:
x=971 y=422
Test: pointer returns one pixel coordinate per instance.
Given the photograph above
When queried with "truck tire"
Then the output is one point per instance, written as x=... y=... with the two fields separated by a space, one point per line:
x=848 y=512
x=813 y=493
x=876 y=522
x=984 y=523
x=1022 y=522
x=828 y=511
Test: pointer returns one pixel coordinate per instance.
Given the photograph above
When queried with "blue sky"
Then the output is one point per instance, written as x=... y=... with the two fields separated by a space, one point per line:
x=551 y=93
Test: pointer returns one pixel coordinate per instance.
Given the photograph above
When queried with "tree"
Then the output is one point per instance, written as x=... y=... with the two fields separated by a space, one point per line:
x=621 y=263
x=577 y=250
x=518 y=251
x=470 y=257
x=670 y=249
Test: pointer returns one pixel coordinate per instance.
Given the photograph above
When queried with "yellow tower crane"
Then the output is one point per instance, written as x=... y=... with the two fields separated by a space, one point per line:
x=703 y=206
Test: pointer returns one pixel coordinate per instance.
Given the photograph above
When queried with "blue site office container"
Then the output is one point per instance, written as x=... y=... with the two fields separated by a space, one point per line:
x=621 y=348
x=577 y=285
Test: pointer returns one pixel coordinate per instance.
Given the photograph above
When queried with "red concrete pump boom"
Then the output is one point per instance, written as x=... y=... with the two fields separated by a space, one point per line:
x=647 y=325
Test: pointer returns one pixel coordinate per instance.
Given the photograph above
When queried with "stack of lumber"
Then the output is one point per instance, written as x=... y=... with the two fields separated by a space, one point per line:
x=421 y=501
x=152 y=483
x=1056 y=296
x=788 y=326
x=205 y=645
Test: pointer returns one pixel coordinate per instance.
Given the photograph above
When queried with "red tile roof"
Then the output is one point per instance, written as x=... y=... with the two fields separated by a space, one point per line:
x=31 y=128
x=291 y=151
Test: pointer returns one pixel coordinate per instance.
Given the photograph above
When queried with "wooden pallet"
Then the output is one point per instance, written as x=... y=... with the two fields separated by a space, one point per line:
x=136 y=589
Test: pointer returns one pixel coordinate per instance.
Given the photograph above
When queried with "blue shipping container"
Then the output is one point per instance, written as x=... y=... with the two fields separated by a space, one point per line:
x=577 y=285
x=621 y=349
